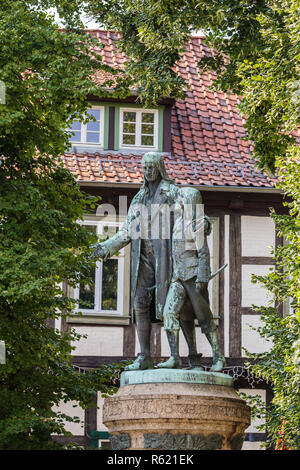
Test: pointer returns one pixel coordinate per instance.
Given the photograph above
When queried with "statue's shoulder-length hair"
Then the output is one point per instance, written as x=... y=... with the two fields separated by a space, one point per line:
x=158 y=161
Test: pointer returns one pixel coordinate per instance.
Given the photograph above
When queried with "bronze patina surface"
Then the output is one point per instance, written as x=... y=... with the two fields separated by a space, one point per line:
x=169 y=272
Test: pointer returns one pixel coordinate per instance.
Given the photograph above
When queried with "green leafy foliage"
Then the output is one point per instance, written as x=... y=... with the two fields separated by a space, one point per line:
x=42 y=246
x=280 y=366
x=47 y=74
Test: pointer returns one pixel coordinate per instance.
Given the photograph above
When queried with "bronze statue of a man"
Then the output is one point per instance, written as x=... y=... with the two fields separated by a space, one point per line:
x=149 y=227
x=151 y=254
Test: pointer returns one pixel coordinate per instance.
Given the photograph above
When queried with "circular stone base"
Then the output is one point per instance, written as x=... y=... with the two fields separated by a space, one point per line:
x=176 y=409
x=192 y=376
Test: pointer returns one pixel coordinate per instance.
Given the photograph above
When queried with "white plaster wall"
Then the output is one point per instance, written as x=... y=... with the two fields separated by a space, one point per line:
x=254 y=293
x=100 y=341
x=57 y=323
x=71 y=408
x=258 y=234
x=251 y=339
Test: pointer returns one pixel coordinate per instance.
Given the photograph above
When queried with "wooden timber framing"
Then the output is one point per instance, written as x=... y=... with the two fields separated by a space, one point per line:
x=257 y=260
x=221 y=282
x=129 y=341
x=235 y=286
x=248 y=311
x=90 y=419
x=167 y=144
x=279 y=242
x=111 y=128
x=50 y=322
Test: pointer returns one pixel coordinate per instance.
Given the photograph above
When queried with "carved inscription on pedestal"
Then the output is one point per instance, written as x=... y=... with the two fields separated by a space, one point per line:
x=167 y=407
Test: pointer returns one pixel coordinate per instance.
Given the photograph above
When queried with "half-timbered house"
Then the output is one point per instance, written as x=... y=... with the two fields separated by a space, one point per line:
x=202 y=141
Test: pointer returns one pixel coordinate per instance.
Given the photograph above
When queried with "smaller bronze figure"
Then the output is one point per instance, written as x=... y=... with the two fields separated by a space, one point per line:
x=191 y=274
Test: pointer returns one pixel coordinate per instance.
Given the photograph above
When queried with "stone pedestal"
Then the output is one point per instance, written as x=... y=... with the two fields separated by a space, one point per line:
x=176 y=409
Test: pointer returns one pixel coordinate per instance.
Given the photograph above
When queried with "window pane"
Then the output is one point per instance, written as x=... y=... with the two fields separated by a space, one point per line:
x=110 y=284
x=129 y=128
x=147 y=140
x=87 y=290
x=87 y=294
x=129 y=116
x=76 y=137
x=93 y=126
x=92 y=137
x=95 y=113
x=147 y=117
x=129 y=139
x=91 y=228
x=76 y=126
x=147 y=129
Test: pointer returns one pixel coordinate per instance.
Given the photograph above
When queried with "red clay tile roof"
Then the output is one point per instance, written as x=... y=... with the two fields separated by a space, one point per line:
x=120 y=168
x=206 y=133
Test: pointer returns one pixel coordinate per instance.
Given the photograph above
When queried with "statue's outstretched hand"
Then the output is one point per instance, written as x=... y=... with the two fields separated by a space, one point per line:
x=99 y=251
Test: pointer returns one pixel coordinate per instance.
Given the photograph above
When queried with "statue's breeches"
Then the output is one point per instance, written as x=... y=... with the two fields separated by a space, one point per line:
x=176 y=297
x=145 y=283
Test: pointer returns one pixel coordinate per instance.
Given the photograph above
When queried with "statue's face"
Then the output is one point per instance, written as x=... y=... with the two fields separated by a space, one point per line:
x=150 y=170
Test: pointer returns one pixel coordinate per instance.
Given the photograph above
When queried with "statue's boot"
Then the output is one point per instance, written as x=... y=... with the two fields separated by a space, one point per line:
x=218 y=359
x=218 y=364
x=174 y=362
x=142 y=362
x=143 y=328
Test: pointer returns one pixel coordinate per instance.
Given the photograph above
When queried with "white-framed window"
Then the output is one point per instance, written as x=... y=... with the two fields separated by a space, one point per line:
x=138 y=128
x=92 y=132
x=107 y=294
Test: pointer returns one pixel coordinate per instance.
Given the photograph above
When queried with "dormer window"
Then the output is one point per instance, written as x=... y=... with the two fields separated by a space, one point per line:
x=138 y=128
x=92 y=132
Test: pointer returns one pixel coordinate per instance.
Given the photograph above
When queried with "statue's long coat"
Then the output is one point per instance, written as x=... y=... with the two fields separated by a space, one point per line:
x=167 y=192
